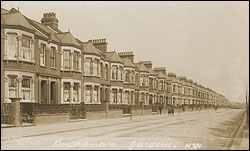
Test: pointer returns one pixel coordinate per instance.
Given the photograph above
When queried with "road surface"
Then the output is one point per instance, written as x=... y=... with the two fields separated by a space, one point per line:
x=211 y=130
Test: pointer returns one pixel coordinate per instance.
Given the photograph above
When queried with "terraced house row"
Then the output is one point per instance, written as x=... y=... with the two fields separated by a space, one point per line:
x=42 y=64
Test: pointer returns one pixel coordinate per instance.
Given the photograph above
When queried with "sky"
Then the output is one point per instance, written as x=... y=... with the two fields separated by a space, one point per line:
x=207 y=42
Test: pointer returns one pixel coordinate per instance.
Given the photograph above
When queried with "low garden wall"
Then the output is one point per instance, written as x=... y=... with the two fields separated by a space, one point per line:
x=102 y=114
x=51 y=118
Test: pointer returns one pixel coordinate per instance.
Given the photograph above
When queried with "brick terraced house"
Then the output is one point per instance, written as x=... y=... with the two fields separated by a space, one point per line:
x=42 y=64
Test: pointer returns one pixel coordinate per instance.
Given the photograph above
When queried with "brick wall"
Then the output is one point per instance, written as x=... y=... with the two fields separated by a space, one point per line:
x=139 y=112
x=102 y=114
x=51 y=118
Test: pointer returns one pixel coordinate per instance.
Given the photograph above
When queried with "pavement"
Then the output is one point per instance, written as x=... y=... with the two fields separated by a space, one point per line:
x=207 y=129
x=241 y=140
x=9 y=132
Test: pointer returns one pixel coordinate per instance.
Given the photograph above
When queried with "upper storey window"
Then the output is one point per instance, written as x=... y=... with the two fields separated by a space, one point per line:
x=66 y=59
x=76 y=60
x=26 y=47
x=121 y=73
x=106 y=72
x=43 y=55
x=114 y=71
x=87 y=66
x=127 y=76
x=143 y=80
x=151 y=82
x=92 y=66
x=53 y=57
x=19 y=45
x=12 y=45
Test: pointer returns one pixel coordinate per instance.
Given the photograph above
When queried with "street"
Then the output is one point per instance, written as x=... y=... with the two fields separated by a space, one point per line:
x=208 y=129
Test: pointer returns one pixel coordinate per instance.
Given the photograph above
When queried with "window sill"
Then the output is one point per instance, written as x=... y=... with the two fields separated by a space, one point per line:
x=16 y=60
x=77 y=71
x=43 y=66
x=53 y=68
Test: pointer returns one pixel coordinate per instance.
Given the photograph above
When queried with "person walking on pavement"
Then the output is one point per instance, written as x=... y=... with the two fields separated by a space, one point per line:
x=172 y=110
x=169 y=111
x=160 y=108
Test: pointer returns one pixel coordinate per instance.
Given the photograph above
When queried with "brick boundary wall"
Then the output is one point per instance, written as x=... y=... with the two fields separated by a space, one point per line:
x=51 y=118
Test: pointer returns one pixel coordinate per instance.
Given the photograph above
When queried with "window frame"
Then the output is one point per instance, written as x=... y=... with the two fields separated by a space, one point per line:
x=43 y=55
x=65 y=59
x=9 y=45
x=53 y=57
x=28 y=88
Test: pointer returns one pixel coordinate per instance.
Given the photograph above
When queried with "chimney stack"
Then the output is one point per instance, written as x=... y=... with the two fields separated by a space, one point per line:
x=147 y=64
x=160 y=69
x=129 y=55
x=50 y=20
x=100 y=44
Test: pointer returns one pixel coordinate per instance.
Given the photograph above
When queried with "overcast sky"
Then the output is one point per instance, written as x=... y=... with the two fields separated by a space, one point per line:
x=205 y=41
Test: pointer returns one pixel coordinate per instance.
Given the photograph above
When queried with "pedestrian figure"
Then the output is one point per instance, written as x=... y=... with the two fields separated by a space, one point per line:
x=172 y=111
x=169 y=111
x=160 y=108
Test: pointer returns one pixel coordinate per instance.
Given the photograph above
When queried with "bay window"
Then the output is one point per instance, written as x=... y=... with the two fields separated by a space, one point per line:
x=120 y=94
x=76 y=92
x=95 y=67
x=12 y=45
x=76 y=60
x=151 y=83
x=88 y=94
x=133 y=77
x=121 y=75
x=114 y=96
x=101 y=71
x=142 y=97
x=12 y=86
x=87 y=66
x=95 y=95
x=66 y=59
x=26 y=89
x=126 y=99
x=113 y=72
x=26 y=47
x=127 y=76
x=106 y=72
x=66 y=91
x=98 y=67
x=116 y=73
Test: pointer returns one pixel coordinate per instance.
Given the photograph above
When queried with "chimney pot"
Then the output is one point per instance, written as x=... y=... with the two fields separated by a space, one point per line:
x=50 y=20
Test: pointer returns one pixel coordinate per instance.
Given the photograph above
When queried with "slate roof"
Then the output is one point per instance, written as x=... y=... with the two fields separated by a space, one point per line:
x=113 y=57
x=151 y=72
x=161 y=75
x=68 y=38
x=127 y=63
x=168 y=78
x=141 y=67
x=4 y=11
x=16 y=19
x=89 y=48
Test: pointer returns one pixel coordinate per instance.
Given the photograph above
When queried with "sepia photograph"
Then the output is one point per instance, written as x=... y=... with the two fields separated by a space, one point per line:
x=124 y=75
